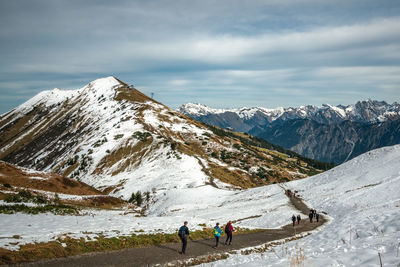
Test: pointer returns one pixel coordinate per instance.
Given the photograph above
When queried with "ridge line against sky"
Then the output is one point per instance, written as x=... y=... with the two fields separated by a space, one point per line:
x=218 y=53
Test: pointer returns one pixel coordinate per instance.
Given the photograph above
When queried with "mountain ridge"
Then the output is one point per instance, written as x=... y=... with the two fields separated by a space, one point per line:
x=362 y=111
x=115 y=138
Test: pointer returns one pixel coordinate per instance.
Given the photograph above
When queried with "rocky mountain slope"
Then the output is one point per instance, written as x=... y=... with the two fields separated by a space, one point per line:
x=111 y=136
x=327 y=133
x=331 y=142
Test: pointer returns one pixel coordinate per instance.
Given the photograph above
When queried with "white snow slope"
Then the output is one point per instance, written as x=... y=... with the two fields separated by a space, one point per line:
x=362 y=198
x=198 y=205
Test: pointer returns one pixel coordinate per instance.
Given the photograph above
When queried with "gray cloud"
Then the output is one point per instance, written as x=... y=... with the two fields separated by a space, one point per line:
x=265 y=53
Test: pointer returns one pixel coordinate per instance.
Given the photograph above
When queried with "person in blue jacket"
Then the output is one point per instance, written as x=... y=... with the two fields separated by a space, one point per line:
x=183 y=233
x=217 y=233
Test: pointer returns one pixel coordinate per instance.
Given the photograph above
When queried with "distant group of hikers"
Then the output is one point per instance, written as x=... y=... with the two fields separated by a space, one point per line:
x=291 y=193
x=313 y=214
x=183 y=234
x=294 y=219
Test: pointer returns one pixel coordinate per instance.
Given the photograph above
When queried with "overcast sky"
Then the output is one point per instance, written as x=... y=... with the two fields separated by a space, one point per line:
x=219 y=53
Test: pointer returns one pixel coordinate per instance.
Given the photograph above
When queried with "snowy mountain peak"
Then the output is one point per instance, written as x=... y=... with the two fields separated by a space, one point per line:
x=198 y=109
x=104 y=85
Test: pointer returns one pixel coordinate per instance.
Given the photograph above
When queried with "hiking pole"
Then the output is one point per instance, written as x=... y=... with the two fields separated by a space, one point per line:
x=380 y=259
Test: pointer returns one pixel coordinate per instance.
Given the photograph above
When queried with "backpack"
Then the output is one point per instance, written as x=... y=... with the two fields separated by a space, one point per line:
x=181 y=233
x=227 y=230
x=215 y=231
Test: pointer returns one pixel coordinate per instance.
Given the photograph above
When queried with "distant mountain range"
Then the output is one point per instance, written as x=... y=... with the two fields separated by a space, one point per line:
x=327 y=133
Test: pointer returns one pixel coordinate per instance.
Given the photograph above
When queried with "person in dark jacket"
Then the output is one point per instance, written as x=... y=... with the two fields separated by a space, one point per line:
x=294 y=220
x=298 y=219
x=311 y=215
x=229 y=230
x=217 y=233
x=317 y=216
x=183 y=234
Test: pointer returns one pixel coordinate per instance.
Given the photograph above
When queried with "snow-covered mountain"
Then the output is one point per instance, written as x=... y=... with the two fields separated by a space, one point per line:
x=362 y=199
x=327 y=133
x=368 y=111
x=117 y=139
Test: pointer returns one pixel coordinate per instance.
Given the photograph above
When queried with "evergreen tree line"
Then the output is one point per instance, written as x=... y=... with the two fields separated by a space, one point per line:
x=137 y=198
x=260 y=142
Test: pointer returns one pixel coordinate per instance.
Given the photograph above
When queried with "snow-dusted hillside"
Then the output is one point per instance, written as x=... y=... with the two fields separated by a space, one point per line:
x=111 y=136
x=260 y=207
x=362 y=198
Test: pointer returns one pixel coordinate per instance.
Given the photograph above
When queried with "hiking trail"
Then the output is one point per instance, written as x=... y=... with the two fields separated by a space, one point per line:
x=168 y=253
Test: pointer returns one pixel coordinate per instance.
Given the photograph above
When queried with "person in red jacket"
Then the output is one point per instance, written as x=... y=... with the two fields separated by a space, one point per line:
x=229 y=230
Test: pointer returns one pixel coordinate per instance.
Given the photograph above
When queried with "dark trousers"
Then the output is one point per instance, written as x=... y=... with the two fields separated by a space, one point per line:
x=184 y=243
x=311 y=219
x=216 y=240
x=228 y=238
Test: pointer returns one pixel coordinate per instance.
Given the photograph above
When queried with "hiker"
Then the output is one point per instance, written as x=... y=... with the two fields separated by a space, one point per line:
x=217 y=233
x=183 y=234
x=229 y=230
x=298 y=219
x=311 y=215
x=294 y=220
x=317 y=216
x=289 y=193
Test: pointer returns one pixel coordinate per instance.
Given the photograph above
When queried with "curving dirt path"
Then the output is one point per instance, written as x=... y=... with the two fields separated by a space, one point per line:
x=168 y=253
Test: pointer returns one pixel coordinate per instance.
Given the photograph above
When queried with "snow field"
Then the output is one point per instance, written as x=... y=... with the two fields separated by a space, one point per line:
x=362 y=197
x=199 y=205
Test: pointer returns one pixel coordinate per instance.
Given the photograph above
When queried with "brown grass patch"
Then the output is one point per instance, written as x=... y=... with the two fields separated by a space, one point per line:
x=234 y=177
x=127 y=156
x=33 y=252
x=16 y=177
x=123 y=93
x=102 y=202
x=71 y=168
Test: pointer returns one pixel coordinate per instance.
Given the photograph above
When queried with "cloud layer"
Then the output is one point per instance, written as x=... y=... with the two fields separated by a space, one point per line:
x=220 y=53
